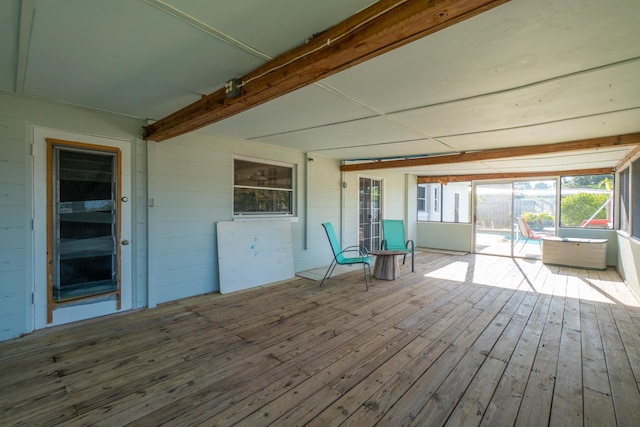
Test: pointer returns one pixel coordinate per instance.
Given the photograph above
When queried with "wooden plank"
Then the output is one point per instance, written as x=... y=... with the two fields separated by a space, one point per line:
x=354 y=398
x=630 y=336
x=536 y=401
x=420 y=350
x=505 y=403
x=567 y=406
x=277 y=408
x=426 y=384
x=598 y=404
x=624 y=388
x=473 y=403
x=223 y=405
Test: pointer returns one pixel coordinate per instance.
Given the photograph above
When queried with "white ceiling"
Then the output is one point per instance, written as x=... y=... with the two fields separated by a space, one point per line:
x=528 y=72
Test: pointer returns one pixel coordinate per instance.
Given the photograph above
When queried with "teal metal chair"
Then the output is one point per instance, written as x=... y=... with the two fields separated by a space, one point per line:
x=340 y=258
x=394 y=240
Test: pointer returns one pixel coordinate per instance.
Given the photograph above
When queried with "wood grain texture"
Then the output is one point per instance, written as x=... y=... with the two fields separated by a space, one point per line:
x=516 y=343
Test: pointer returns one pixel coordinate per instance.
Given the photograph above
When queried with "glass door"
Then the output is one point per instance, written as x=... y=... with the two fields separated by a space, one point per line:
x=534 y=207
x=511 y=218
x=84 y=225
x=369 y=213
x=494 y=219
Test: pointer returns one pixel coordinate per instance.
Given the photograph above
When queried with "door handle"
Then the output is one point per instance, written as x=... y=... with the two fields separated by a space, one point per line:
x=125 y=242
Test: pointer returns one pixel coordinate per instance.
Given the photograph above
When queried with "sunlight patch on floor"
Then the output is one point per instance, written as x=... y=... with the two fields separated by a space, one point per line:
x=455 y=271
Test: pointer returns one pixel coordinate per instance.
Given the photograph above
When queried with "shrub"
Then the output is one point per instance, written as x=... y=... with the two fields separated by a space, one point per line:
x=577 y=207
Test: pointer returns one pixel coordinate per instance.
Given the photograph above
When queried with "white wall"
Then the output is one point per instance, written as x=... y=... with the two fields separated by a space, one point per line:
x=18 y=115
x=629 y=261
x=14 y=223
x=444 y=235
x=191 y=189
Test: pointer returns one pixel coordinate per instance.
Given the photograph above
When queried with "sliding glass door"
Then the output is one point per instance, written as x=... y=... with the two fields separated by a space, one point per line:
x=512 y=217
x=494 y=218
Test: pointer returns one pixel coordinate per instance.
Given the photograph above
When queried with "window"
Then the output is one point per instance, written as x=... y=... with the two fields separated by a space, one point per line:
x=262 y=188
x=624 y=200
x=422 y=199
x=444 y=202
x=586 y=201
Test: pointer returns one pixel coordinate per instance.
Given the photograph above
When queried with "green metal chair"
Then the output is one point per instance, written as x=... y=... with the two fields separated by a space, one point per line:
x=340 y=258
x=394 y=240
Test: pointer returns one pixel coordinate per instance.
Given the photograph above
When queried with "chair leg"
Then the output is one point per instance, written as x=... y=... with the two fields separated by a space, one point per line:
x=413 y=268
x=332 y=266
x=364 y=270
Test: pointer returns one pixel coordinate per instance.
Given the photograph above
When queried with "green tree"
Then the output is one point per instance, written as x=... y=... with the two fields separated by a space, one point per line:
x=577 y=207
x=587 y=181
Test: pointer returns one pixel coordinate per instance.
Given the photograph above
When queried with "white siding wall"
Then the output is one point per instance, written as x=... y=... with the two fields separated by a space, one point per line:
x=17 y=117
x=191 y=186
x=629 y=261
x=443 y=235
x=140 y=224
x=323 y=204
x=15 y=221
x=189 y=182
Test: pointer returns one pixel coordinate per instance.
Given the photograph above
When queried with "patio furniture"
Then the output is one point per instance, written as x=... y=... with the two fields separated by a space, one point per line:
x=386 y=266
x=526 y=232
x=340 y=258
x=394 y=239
x=575 y=252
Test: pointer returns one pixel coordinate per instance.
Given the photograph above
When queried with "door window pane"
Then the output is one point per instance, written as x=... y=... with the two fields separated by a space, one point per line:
x=83 y=224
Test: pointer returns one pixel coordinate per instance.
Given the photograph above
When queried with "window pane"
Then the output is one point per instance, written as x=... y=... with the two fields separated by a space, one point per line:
x=444 y=203
x=262 y=188
x=262 y=175
x=431 y=211
x=624 y=200
x=84 y=224
x=260 y=201
x=456 y=202
x=586 y=201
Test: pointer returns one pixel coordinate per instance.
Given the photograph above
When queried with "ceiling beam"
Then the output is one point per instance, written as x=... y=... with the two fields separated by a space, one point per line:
x=380 y=28
x=499 y=153
x=444 y=179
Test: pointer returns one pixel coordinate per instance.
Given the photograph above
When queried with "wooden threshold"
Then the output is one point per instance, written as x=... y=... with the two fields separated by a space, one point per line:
x=466 y=339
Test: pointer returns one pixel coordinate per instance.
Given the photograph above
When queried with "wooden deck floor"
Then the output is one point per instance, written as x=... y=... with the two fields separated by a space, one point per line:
x=465 y=340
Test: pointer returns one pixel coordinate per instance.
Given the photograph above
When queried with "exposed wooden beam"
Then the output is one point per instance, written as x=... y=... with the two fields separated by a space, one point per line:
x=499 y=153
x=384 y=26
x=514 y=175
